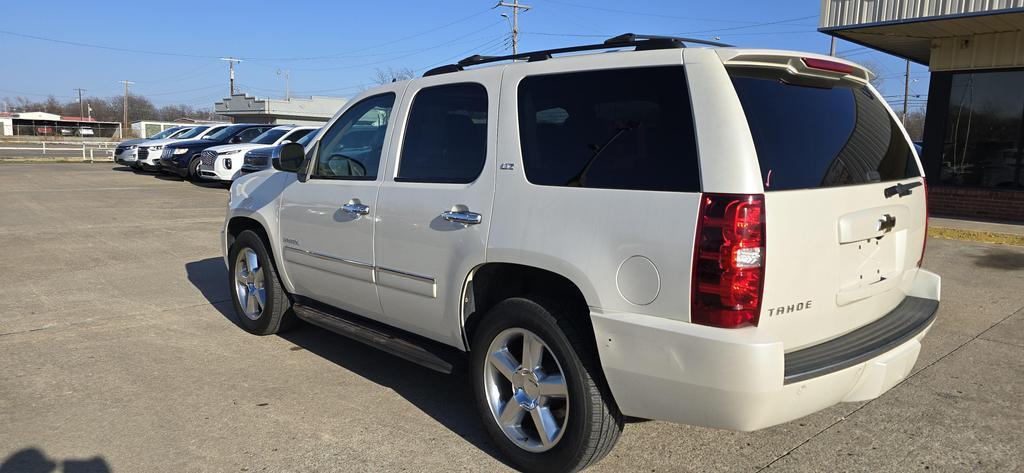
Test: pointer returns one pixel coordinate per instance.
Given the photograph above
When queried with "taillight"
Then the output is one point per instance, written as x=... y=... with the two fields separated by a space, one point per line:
x=728 y=263
x=826 y=65
x=924 y=243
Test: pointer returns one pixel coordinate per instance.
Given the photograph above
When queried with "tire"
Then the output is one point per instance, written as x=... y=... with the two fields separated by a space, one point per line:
x=193 y=170
x=589 y=420
x=274 y=313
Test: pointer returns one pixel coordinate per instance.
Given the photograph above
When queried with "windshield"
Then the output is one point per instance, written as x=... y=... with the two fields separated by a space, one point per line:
x=193 y=132
x=225 y=132
x=811 y=137
x=269 y=137
x=165 y=133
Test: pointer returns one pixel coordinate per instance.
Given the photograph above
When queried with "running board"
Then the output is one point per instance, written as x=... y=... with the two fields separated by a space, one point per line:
x=426 y=353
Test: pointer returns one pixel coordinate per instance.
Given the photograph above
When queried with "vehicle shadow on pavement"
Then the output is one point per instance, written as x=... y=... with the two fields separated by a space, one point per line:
x=1000 y=258
x=447 y=399
x=33 y=460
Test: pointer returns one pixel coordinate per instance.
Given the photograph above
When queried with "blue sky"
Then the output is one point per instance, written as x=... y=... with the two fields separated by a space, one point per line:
x=333 y=48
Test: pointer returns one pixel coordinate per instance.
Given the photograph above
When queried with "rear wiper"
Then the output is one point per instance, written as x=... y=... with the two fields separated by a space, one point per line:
x=902 y=190
x=577 y=180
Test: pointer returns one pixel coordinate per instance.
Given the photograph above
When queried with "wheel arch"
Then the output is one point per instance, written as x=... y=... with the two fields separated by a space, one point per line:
x=254 y=221
x=493 y=282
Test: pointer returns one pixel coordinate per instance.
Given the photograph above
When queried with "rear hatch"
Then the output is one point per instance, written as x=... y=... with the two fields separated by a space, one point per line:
x=845 y=208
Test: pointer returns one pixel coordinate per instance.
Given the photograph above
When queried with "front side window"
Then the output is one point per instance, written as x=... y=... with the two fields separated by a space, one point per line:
x=269 y=137
x=610 y=129
x=446 y=135
x=298 y=135
x=193 y=132
x=248 y=135
x=351 y=148
x=224 y=133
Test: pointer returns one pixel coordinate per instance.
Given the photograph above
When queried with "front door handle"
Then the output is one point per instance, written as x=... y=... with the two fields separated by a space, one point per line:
x=462 y=216
x=355 y=208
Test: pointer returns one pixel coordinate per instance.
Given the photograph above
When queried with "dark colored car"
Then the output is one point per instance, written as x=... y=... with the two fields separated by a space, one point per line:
x=261 y=158
x=182 y=158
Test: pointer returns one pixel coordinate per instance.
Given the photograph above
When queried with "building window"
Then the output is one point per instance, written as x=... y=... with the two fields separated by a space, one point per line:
x=985 y=131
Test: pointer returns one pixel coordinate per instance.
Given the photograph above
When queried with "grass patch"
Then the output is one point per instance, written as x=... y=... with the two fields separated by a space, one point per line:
x=972 y=235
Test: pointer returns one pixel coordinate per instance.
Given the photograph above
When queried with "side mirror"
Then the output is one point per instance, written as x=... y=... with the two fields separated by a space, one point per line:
x=235 y=139
x=291 y=158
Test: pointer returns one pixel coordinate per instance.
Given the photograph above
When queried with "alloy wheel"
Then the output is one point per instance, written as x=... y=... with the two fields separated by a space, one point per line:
x=250 y=288
x=526 y=390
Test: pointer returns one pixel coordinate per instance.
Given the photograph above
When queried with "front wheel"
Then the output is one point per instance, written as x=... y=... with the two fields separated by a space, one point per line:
x=261 y=304
x=538 y=388
x=193 y=170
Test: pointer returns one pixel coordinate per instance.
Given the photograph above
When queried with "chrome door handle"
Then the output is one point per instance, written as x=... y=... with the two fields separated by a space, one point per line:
x=355 y=208
x=465 y=217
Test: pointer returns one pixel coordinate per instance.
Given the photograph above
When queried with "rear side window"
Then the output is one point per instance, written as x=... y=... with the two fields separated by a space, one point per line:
x=810 y=137
x=446 y=135
x=610 y=129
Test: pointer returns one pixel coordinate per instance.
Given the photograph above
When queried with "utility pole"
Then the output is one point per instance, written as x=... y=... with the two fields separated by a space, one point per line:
x=832 y=49
x=906 y=92
x=515 y=6
x=124 y=124
x=287 y=76
x=231 y=72
x=81 y=108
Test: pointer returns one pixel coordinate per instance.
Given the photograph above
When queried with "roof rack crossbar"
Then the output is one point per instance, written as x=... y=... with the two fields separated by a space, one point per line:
x=638 y=41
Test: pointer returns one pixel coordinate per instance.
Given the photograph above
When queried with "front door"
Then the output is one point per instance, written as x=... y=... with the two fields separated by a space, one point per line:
x=327 y=222
x=434 y=208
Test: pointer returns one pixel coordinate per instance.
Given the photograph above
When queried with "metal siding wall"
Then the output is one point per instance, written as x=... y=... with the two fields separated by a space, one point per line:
x=855 y=12
x=980 y=51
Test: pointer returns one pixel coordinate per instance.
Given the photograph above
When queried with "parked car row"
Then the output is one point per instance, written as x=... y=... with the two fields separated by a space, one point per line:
x=212 y=152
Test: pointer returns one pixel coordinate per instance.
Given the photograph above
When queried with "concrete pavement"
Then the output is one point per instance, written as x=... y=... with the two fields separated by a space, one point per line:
x=119 y=352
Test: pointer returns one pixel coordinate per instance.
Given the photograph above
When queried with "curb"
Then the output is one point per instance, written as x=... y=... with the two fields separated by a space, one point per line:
x=946 y=233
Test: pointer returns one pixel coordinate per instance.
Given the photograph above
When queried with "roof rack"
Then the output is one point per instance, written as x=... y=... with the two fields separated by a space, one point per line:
x=638 y=41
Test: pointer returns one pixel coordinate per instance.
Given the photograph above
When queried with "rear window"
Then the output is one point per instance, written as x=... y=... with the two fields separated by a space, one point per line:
x=811 y=137
x=611 y=129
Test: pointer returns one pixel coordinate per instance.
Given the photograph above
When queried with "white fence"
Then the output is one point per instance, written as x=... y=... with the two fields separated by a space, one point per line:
x=87 y=151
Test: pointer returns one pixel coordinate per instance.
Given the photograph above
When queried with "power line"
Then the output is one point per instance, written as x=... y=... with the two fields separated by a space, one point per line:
x=110 y=48
x=653 y=15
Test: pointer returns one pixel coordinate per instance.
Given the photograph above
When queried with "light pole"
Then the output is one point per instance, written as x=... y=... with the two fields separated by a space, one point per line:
x=231 y=72
x=287 y=77
x=515 y=6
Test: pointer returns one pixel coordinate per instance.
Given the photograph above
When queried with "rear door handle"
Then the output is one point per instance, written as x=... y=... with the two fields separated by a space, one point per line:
x=462 y=216
x=355 y=208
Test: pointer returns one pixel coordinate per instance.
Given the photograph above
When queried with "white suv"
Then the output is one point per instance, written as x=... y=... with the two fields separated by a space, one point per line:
x=148 y=153
x=224 y=163
x=714 y=236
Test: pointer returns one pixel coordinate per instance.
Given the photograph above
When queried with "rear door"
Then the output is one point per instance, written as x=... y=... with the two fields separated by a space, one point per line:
x=844 y=202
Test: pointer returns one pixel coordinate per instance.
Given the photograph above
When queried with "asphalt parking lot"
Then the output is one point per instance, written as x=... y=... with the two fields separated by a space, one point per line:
x=119 y=352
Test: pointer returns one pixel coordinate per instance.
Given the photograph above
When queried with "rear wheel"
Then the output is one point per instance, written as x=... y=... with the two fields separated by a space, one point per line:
x=261 y=304
x=539 y=390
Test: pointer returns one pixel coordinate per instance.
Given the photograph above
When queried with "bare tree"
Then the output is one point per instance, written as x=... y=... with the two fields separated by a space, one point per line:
x=389 y=75
x=874 y=67
x=915 y=124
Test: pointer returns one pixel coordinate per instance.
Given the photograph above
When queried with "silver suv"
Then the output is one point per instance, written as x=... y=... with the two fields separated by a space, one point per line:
x=714 y=236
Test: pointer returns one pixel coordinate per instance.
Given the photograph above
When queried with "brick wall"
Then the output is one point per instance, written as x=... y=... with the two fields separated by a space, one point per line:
x=967 y=202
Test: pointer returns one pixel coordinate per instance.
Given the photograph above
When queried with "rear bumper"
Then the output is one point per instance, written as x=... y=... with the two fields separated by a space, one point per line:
x=734 y=379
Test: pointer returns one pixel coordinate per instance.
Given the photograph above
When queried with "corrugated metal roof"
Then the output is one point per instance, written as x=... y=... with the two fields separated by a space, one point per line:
x=836 y=13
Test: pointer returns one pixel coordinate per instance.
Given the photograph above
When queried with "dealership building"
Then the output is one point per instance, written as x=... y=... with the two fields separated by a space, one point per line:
x=243 y=108
x=974 y=128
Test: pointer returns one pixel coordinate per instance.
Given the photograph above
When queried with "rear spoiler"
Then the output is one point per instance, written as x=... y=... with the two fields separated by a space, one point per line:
x=816 y=68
